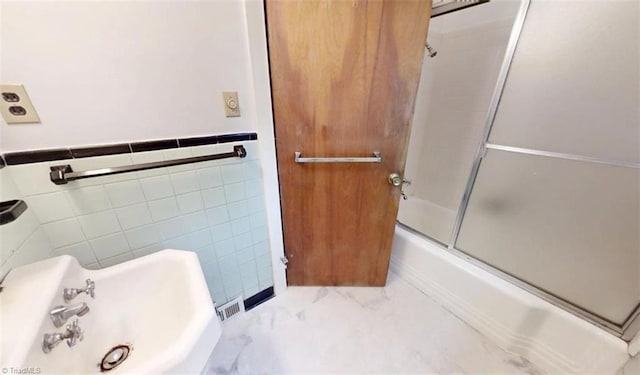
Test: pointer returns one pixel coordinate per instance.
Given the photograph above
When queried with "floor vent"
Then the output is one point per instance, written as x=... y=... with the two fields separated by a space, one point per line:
x=230 y=309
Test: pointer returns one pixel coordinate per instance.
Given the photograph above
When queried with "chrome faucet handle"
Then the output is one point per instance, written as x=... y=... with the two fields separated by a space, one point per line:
x=74 y=334
x=50 y=341
x=71 y=293
x=90 y=288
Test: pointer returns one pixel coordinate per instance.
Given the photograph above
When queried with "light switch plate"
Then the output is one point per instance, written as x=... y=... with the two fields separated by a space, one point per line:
x=16 y=106
x=231 y=104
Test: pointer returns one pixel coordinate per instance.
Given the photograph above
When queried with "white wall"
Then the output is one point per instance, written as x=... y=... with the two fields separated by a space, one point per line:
x=256 y=29
x=104 y=72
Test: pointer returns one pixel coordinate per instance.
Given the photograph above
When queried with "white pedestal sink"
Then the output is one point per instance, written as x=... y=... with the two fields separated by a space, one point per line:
x=158 y=305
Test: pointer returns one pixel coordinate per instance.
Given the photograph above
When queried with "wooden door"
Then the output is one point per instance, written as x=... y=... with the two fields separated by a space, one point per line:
x=344 y=79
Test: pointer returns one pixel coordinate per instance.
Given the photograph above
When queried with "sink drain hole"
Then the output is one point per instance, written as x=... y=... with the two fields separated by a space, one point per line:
x=114 y=357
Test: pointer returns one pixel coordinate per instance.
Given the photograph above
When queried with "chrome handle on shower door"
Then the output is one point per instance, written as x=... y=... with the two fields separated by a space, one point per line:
x=375 y=159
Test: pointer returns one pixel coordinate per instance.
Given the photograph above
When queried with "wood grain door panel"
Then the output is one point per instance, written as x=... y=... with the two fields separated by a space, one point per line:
x=344 y=79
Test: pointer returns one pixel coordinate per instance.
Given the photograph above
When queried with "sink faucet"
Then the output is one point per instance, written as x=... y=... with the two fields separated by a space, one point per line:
x=71 y=293
x=61 y=313
x=73 y=334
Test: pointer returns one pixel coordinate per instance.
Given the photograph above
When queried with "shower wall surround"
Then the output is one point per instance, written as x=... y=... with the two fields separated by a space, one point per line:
x=215 y=208
x=453 y=98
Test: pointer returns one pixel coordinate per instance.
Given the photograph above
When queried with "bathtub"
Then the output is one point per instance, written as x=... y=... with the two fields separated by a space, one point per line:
x=515 y=319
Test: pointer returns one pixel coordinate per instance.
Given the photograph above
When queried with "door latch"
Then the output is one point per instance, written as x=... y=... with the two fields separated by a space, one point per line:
x=396 y=180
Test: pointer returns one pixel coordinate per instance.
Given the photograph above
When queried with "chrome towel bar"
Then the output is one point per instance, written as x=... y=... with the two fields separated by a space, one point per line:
x=375 y=159
x=61 y=174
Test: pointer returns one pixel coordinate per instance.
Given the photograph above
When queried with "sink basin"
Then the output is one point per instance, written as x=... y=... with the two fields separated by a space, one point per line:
x=157 y=305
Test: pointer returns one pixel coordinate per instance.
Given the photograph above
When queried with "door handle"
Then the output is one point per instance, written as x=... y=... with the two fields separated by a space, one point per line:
x=375 y=159
x=396 y=180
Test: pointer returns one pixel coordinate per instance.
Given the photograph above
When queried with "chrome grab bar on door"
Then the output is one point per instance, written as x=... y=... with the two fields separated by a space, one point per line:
x=375 y=159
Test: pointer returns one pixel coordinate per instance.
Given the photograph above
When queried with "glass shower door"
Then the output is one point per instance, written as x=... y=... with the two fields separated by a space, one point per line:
x=527 y=159
x=452 y=104
x=556 y=202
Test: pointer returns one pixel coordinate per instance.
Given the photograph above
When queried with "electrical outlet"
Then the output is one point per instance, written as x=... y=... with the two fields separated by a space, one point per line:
x=231 y=104
x=16 y=106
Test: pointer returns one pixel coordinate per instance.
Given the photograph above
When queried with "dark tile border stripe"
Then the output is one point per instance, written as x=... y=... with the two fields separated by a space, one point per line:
x=197 y=141
x=154 y=145
x=258 y=298
x=236 y=137
x=36 y=156
x=24 y=157
x=86 y=152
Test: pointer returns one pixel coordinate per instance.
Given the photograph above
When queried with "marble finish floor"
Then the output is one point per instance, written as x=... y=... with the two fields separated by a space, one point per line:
x=353 y=330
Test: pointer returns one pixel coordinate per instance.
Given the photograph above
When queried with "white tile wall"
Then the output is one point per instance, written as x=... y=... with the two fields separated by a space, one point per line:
x=31 y=179
x=109 y=246
x=51 y=207
x=235 y=192
x=209 y=177
x=99 y=224
x=34 y=248
x=185 y=182
x=22 y=241
x=214 y=208
x=13 y=234
x=125 y=193
x=224 y=248
x=242 y=225
x=64 y=232
x=162 y=209
x=134 y=215
x=116 y=259
x=143 y=236
x=149 y=250
x=87 y=200
x=242 y=241
x=238 y=210
x=213 y=197
x=81 y=251
x=190 y=202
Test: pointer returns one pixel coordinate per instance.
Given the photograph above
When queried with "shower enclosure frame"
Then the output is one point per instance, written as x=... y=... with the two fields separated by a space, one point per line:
x=631 y=325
